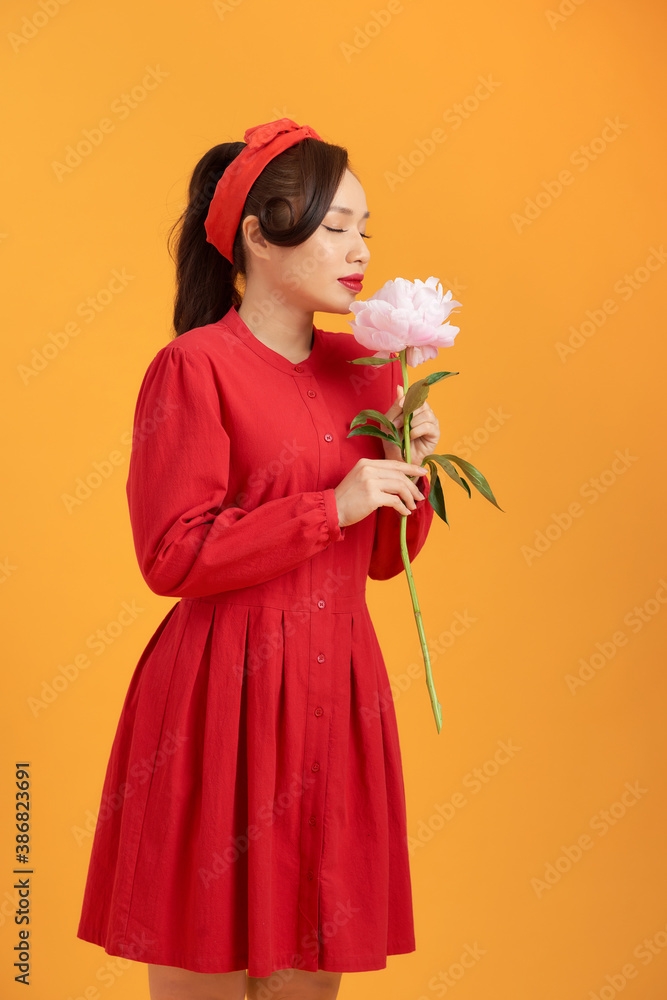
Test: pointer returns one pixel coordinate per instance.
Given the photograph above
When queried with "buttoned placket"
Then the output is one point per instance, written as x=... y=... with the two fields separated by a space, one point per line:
x=320 y=647
x=318 y=701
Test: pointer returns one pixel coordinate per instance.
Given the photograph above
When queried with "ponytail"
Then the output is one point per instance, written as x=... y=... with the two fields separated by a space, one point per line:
x=290 y=198
x=205 y=280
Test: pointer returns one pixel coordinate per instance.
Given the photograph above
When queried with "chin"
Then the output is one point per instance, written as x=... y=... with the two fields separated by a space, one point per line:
x=346 y=299
x=322 y=308
x=337 y=305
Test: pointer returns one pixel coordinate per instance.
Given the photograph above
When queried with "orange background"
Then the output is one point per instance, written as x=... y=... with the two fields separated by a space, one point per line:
x=541 y=593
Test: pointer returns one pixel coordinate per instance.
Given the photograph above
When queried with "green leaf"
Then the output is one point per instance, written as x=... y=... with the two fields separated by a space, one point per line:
x=414 y=397
x=418 y=392
x=436 y=376
x=474 y=475
x=451 y=472
x=370 y=361
x=435 y=496
x=381 y=418
x=464 y=484
x=373 y=431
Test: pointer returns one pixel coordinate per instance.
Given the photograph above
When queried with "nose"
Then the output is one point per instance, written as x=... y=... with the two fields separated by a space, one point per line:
x=360 y=251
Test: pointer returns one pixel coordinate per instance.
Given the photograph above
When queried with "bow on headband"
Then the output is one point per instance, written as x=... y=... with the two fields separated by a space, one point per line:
x=263 y=142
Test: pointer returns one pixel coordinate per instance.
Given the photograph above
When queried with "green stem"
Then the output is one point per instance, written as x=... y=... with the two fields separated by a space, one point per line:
x=435 y=704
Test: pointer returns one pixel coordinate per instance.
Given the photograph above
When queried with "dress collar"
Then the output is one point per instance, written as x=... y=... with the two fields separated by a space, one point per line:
x=233 y=322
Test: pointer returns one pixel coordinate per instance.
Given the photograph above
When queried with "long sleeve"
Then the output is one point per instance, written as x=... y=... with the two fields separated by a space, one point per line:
x=188 y=543
x=386 y=558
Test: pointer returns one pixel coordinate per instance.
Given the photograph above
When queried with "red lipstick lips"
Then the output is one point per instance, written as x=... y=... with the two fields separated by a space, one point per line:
x=352 y=281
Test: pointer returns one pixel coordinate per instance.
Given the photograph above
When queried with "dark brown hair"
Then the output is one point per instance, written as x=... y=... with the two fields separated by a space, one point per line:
x=290 y=198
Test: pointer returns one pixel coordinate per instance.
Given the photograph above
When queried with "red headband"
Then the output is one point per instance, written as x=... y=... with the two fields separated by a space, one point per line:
x=263 y=143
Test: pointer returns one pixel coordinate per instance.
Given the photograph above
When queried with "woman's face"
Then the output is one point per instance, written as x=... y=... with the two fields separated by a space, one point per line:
x=308 y=275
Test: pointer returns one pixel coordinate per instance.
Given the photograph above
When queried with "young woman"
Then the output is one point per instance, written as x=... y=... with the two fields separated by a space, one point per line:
x=252 y=829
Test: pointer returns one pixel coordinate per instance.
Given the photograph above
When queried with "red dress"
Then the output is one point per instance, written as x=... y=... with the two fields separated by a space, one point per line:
x=253 y=810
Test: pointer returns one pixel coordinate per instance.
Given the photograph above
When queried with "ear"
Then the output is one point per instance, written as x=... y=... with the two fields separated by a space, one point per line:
x=255 y=242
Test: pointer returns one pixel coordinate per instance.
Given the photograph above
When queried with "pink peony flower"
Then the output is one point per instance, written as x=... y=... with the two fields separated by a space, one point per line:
x=406 y=315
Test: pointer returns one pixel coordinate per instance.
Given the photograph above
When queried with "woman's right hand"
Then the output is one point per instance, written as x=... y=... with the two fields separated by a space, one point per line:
x=377 y=482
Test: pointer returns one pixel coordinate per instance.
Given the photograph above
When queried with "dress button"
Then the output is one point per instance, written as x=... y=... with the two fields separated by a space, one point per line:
x=309 y=873
x=319 y=710
x=328 y=437
x=320 y=658
x=315 y=767
x=312 y=820
x=311 y=392
x=321 y=604
x=298 y=368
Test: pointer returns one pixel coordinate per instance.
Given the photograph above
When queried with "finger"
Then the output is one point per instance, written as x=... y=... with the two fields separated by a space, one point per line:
x=409 y=492
x=397 y=503
x=417 y=416
x=407 y=468
x=421 y=411
x=423 y=420
x=406 y=486
x=421 y=429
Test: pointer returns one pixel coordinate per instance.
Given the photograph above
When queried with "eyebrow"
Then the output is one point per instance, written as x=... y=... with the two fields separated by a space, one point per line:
x=346 y=211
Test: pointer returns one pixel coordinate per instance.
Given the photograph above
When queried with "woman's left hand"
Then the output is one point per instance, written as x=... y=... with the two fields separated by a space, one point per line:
x=424 y=430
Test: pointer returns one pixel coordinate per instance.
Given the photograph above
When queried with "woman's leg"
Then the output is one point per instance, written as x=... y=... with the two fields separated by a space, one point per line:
x=295 y=984
x=166 y=982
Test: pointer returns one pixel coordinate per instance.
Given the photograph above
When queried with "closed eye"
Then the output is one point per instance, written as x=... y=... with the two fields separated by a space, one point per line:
x=366 y=236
